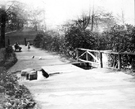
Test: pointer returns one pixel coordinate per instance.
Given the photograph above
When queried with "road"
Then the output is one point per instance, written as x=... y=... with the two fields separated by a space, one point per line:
x=74 y=88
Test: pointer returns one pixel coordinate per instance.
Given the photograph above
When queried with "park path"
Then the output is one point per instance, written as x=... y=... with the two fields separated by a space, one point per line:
x=73 y=87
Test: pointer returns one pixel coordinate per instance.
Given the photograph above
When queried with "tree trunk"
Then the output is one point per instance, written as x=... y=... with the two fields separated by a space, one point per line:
x=3 y=25
x=92 y=22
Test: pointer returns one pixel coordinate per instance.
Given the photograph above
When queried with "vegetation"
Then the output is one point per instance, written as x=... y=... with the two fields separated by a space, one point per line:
x=13 y=95
x=118 y=38
x=79 y=33
x=15 y=16
x=99 y=31
x=7 y=57
x=3 y=17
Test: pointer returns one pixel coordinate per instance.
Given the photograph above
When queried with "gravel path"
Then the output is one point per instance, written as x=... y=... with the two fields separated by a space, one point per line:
x=75 y=88
x=41 y=58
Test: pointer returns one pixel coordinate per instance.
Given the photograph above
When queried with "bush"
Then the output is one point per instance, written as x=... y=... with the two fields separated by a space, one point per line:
x=77 y=39
x=8 y=52
x=47 y=41
x=120 y=38
x=38 y=40
x=9 y=49
x=74 y=38
x=7 y=57
x=17 y=96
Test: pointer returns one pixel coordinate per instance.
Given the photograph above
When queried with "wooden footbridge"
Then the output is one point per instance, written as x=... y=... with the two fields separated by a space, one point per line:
x=105 y=58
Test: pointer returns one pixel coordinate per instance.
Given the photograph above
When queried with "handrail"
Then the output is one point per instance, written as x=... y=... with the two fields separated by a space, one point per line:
x=109 y=52
x=100 y=52
x=88 y=50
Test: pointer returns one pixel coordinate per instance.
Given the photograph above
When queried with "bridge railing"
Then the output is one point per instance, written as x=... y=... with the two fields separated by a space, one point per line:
x=88 y=56
x=104 y=58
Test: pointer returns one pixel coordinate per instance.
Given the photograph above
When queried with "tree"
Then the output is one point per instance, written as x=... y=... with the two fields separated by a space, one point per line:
x=10 y=18
x=83 y=22
x=75 y=38
x=36 y=17
x=17 y=15
x=84 y=31
x=3 y=17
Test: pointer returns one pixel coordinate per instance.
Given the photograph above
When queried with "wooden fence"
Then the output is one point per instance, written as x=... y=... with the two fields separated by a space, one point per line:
x=95 y=58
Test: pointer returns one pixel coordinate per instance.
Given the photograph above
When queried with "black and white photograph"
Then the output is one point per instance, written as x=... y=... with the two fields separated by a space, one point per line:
x=67 y=54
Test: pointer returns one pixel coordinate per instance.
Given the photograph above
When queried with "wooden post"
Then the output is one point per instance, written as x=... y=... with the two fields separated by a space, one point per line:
x=101 y=61
x=87 y=58
x=25 y=42
x=77 y=55
x=119 y=61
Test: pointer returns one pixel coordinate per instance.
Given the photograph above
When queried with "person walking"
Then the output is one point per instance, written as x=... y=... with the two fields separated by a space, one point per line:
x=28 y=45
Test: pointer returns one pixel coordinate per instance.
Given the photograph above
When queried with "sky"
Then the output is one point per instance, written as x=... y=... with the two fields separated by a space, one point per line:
x=57 y=12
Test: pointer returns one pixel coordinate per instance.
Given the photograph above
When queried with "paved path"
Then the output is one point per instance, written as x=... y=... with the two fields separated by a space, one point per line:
x=75 y=88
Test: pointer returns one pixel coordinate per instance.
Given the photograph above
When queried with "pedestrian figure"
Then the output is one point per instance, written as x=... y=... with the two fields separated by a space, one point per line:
x=28 y=44
x=17 y=47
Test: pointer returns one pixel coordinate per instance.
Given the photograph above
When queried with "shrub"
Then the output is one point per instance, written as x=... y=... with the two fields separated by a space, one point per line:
x=120 y=38
x=7 y=57
x=9 y=49
x=8 y=52
x=18 y=96
x=38 y=40
x=48 y=41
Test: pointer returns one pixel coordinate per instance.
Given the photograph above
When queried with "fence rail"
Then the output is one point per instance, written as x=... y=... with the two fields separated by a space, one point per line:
x=95 y=58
